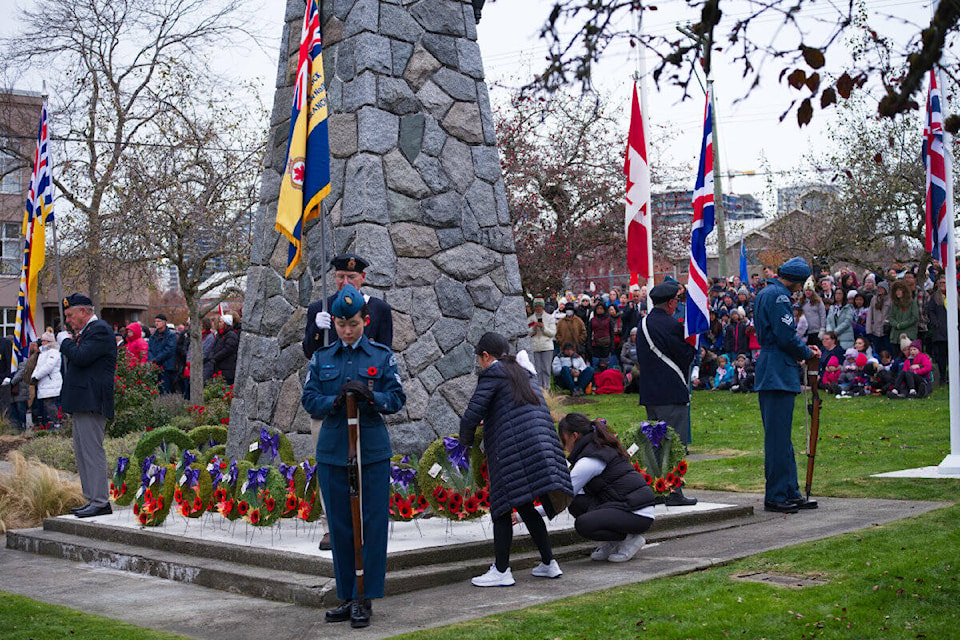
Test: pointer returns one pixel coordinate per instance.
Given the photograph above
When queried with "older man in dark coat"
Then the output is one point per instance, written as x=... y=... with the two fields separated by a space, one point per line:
x=664 y=358
x=87 y=394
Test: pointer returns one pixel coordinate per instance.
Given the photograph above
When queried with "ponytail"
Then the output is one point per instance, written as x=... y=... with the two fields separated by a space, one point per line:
x=519 y=380
x=580 y=424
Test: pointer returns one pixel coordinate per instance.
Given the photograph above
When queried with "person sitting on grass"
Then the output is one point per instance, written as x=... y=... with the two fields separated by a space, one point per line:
x=743 y=375
x=612 y=502
x=914 y=380
x=607 y=380
x=723 y=380
x=570 y=372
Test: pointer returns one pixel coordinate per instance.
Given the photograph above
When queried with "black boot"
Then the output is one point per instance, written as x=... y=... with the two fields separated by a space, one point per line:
x=677 y=499
x=360 y=614
x=340 y=613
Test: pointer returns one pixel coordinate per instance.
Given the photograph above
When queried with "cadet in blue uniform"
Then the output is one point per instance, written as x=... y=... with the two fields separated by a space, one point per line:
x=348 y=268
x=354 y=363
x=778 y=383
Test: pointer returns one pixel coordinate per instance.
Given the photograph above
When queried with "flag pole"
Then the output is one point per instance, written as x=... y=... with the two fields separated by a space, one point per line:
x=641 y=78
x=951 y=463
x=53 y=223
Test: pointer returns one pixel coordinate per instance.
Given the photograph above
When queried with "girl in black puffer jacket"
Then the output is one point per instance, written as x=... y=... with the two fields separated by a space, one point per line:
x=612 y=502
x=524 y=456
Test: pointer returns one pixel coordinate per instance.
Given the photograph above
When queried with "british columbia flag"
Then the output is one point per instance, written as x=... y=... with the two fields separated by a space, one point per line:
x=698 y=319
x=937 y=224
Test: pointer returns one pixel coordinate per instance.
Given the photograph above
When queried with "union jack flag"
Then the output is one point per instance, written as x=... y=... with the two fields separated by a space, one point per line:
x=38 y=211
x=306 y=179
x=937 y=225
x=698 y=319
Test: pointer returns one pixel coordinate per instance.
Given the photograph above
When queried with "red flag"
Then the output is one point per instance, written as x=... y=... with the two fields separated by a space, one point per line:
x=638 y=195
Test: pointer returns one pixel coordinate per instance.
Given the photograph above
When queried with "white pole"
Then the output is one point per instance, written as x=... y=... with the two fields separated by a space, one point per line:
x=642 y=79
x=951 y=463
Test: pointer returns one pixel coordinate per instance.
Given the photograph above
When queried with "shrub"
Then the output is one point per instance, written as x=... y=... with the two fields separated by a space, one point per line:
x=34 y=491
x=53 y=450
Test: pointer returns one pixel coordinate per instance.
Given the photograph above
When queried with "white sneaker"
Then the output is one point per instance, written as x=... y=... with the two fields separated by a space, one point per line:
x=628 y=548
x=551 y=570
x=494 y=578
x=603 y=552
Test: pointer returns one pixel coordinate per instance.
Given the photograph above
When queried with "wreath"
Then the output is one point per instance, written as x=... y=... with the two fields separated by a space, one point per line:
x=225 y=494
x=258 y=498
x=194 y=487
x=406 y=500
x=274 y=444
x=157 y=443
x=445 y=478
x=659 y=455
x=124 y=477
x=216 y=467
x=152 y=502
x=309 y=506
x=210 y=440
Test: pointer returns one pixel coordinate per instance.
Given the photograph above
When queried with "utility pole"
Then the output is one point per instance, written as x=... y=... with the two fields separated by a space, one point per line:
x=706 y=45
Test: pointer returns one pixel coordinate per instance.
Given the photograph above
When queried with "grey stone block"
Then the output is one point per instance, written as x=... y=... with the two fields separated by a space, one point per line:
x=360 y=92
x=482 y=203
x=434 y=100
x=346 y=60
x=463 y=121
x=458 y=391
x=343 y=134
x=442 y=210
x=411 y=135
x=498 y=238
x=458 y=362
x=470 y=62
x=372 y=52
x=511 y=317
x=467 y=262
x=364 y=16
x=486 y=114
x=458 y=163
x=453 y=298
x=287 y=403
x=364 y=193
x=486 y=162
x=402 y=177
x=401 y=52
x=426 y=311
x=402 y=208
x=415 y=272
x=443 y=48
x=292 y=330
x=395 y=96
x=290 y=362
x=484 y=293
x=434 y=137
x=398 y=299
x=372 y=241
x=414 y=240
x=440 y=16
x=512 y=268
x=422 y=353
x=431 y=379
x=450 y=237
x=341 y=8
x=456 y=85
x=503 y=208
x=432 y=173
x=276 y=312
x=403 y=332
x=468 y=223
x=417 y=398
x=378 y=131
x=397 y=22
x=481 y=322
x=420 y=67
x=450 y=332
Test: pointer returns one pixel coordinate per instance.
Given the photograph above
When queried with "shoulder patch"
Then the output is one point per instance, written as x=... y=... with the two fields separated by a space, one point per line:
x=783 y=298
x=393 y=360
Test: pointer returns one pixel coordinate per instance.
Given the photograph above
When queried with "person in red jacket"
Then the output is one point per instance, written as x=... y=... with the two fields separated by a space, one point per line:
x=136 y=346
x=913 y=381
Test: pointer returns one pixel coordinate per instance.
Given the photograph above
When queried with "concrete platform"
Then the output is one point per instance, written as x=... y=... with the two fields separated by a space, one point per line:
x=919 y=472
x=200 y=612
x=283 y=563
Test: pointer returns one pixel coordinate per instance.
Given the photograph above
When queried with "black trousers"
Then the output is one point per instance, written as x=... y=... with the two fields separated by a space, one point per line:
x=503 y=535
x=609 y=525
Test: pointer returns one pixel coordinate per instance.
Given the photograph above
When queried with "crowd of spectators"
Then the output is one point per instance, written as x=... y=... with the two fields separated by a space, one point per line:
x=880 y=333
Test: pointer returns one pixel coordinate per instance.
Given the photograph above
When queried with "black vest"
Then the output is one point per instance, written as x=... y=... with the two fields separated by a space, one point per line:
x=618 y=486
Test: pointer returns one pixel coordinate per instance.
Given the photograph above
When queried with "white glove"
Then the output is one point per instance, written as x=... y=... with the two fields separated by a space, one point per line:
x=322 y=320
x=63 y=335
x=5 y=383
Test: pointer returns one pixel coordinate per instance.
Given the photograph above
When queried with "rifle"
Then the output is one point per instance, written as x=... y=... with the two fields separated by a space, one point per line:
x=356 y=497
x=813 y=408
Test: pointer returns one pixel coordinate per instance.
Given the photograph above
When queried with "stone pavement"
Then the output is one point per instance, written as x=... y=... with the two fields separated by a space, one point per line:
x=199 y=612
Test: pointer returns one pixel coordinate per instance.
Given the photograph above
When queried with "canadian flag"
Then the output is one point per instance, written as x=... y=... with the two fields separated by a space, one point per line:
x=637 y=225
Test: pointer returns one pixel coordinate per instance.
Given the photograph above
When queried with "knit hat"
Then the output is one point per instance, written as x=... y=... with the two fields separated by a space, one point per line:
x=916 y=344
x=538 y=301
x=850 y=353
x=47 y=337
x=861 y=360
x=794 y=270
x=851 y=294
x=885 y=286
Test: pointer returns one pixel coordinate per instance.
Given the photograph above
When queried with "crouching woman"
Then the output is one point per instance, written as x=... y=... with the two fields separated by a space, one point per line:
x=612 y=502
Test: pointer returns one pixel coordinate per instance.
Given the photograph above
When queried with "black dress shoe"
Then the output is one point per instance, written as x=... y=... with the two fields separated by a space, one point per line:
x=677 y=499
x=803 y=503
x=360 y=614
x=340 y=613
x=779 y=507
x=74 y=510
x=90 y=511
x=325 y=545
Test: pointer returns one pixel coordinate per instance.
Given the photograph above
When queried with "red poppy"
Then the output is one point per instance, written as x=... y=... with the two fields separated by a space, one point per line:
x=220 y=494
x=136 y=509
x=472 y=504
x=660 y=485
x=178 y=495
x=243 y=507
x=440 y=494
x=185 y=508
x=636 y=465
x=147 y=495
x=671 y=479
x=647 y=478
x=112 y=488
x=270 y=504
x=397 y=497
x=255 y=516
x=143 y=518
x=159 y=503
x=682 y=467
x=456 y=500
x=292 y=503
x=197 y=503
x=484 y=473
x=372 y=371
x=123 y=488
x=406 y=511
x=422 y=501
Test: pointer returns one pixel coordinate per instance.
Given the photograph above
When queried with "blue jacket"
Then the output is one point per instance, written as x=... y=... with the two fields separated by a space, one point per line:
x=524 y=456
x=331 y=367
x=91 y=366
x=163 y=348
x=379 y=330
x=780 y=348
x=659 y=384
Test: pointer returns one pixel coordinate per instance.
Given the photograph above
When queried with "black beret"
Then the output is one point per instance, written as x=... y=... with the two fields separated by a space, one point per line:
x=349 y=262
x=664 y=291
x=77 y=300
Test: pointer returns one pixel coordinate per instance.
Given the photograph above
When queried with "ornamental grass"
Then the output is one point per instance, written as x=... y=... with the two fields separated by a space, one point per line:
x=33 y=491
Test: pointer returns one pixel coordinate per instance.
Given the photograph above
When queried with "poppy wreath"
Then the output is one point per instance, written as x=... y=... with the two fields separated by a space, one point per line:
x=194 y=487
x=309 y=507
x=227 y=486
x=451 y=489
x=217 y=469
x=210 y=440
x=659 y=455
x=270 y=447
x=124 y=481
x=406 y=499
x=155 y=494
x=295 y=480
x=260 y=494
x=158 y=443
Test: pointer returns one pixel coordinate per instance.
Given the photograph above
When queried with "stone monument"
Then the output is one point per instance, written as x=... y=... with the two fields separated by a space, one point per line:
x=415 y=188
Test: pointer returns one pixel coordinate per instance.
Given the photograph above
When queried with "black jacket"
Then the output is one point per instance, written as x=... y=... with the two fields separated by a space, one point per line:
x=659 y=384
x=224 y=353
x=90 y=368
x=619 y=485
x=379 y=330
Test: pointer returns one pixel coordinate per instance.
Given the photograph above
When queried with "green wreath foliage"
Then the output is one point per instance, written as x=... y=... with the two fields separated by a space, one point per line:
x=123 y=484
x=452 y=494
x=225 y=493
x=219 y=451
x=158 y=441
x=193 y=498
x=284 y=450
x=663 y=469
x=203 y=435
x=152 y=502
x=309 y=506
x=261 y=506
x=406 y=502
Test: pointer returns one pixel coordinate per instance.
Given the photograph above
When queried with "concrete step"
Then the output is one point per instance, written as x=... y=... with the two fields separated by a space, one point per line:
x=306 y=579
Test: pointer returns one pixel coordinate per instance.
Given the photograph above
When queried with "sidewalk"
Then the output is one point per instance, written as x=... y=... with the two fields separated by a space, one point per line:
x=198 y=612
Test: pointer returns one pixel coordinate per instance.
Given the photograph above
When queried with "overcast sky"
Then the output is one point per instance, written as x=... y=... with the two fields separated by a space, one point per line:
x=748 y=130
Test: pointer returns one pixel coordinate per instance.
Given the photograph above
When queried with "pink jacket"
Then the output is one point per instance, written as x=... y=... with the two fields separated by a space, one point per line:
x=136 y=347
x=923 y=360
x=829 y=377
